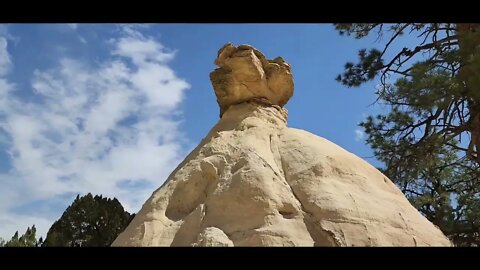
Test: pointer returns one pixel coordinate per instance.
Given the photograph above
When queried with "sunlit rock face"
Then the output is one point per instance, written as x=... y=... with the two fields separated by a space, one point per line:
x=253 y=181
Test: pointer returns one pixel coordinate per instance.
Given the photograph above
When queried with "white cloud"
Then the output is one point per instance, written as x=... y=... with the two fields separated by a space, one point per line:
x=3 y=30
x=6 y=34
x=142 y=50
x=359 y=134
x=5 y=61
x=74 y=26
x=82 y=39
x=95 y=127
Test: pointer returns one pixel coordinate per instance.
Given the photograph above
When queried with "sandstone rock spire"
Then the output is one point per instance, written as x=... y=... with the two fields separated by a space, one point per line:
x=253 y=181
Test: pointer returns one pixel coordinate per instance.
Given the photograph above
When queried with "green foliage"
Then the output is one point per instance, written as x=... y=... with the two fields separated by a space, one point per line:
x=434 y=101
x=28 y=239
x=89 y=221
x=444 y=189
x=367 y=68
x=439 y=79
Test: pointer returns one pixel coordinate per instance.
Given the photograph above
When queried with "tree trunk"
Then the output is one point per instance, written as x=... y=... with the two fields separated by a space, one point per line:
x=469 y=47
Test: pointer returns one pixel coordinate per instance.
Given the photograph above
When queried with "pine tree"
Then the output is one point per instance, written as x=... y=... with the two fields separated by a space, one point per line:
x=89 y=221
x=28 y=239
x=429 y=142
x=437 y=95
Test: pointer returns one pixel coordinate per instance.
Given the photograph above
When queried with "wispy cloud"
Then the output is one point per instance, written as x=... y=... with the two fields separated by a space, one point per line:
x=74 y=26
x=359 y=134
x=6 y=34
x=5 y=61
x=96 y=127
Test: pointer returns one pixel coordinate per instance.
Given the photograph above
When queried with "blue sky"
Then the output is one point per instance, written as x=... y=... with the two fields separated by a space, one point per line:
x=113 y=109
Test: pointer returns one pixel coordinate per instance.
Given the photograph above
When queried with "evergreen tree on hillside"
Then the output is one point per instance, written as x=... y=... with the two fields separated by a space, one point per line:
x=89 y=221
x=28 y=239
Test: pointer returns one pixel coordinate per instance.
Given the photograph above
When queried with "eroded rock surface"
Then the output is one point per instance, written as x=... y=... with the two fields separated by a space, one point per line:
x=244 y=73
x=253 y=181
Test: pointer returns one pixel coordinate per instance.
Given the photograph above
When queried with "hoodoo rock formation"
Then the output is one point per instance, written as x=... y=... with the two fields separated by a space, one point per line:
x=253 y=181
